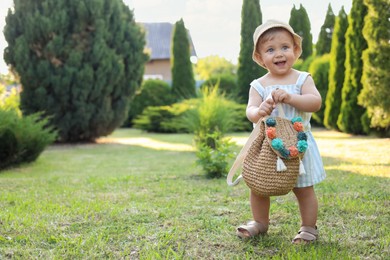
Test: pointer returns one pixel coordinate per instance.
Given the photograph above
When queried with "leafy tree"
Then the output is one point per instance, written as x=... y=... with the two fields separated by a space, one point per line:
x=183 y=81
x=213 y=66
x=79 y=62
x=352 y=116
x=376 y=59
x=319 y=69
x=300 y=22
x=248 y=70
x=325 y=38
x=336 y=72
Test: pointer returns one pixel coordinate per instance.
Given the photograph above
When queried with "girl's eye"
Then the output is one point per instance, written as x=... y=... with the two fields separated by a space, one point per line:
x=285 y=48
x=270 y=50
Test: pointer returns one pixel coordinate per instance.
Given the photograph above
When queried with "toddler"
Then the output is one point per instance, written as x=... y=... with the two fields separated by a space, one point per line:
x=276 y=48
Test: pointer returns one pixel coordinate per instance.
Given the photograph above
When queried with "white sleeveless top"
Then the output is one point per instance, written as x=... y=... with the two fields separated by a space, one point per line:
x=312 y=161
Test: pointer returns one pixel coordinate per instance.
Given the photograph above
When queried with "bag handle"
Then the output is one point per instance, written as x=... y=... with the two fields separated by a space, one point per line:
x=241 y=156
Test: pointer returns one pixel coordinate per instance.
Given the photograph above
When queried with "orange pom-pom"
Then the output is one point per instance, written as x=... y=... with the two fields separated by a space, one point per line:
x=271 y=132
x=298 y=126
x=293 y=151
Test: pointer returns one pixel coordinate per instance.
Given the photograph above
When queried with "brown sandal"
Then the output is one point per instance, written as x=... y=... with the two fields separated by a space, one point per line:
x=306 y=235
x=251 y=229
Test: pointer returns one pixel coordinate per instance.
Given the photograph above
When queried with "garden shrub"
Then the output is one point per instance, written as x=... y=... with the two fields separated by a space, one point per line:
x=210 y=120
x=167 y=119
x=23 y=139
x=227 y=84
x=153 y=92
x=212 y=113
x=164 y=119
x=213 y=156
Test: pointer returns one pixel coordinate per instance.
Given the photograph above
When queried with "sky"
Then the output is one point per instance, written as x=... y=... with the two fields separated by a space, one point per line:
x=214 y=25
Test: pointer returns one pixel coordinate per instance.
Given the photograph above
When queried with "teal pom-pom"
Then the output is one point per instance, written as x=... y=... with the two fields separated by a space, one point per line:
x=277 y=144
x=302 y=146
x=270 y=121
x=302 y=136
x=296 y=119
x=284 y=153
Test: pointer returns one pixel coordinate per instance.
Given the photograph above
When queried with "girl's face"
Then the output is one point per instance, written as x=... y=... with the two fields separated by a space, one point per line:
x=277 y=52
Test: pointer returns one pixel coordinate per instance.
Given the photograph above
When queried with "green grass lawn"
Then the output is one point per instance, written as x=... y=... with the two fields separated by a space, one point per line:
x=140 y=196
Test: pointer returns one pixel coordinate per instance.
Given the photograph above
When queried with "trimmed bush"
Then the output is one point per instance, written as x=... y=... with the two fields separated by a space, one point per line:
x=227 y=84
x=164 y=119
x=23 y=139
x=153 y=93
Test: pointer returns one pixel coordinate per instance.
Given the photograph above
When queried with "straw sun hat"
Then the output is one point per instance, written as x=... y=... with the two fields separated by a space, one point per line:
x=260 y=30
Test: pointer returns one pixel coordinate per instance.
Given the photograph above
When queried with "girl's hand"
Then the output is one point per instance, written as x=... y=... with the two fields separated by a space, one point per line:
x=266 y=107
x=280 y=96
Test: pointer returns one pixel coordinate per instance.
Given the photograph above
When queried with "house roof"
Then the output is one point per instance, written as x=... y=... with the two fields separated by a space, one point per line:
x=158 y=40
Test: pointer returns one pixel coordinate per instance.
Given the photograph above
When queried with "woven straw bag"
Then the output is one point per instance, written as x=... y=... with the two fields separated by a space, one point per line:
x=271 y=158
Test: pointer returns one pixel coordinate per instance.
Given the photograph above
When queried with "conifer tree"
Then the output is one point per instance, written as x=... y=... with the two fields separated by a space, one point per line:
x=78 y=62
x=325 y=37
x=248 y=70
x=376 y=59
x=183 y=81
x=336 y=71
x=300 y=22
x=352 y=115
x=319 y=70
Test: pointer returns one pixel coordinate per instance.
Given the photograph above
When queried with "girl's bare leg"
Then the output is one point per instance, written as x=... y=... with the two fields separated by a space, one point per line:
x=308 y=205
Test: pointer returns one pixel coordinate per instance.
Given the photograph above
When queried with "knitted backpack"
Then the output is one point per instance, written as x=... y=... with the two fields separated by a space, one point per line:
x=271 y=159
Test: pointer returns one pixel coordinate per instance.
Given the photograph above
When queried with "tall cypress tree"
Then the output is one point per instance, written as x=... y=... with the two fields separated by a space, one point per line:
x=325 y=37
x=300 y=22
x=319 y=70
x=376 y=59
x=248 y=70
x=183 y=81
x=78 y=61
x=352 y=115
x=336 y=71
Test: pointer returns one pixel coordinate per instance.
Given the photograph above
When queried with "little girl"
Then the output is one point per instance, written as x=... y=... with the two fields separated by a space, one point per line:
x=276 y=48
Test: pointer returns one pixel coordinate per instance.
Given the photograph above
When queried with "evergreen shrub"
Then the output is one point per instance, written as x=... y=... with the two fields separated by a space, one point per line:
x=319 y=70
x=227 y=84
x=153 y=92
x=23 y=139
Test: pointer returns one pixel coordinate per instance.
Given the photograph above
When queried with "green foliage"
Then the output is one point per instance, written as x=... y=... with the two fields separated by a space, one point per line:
x=376 y=58
x=227 y=84
x=211 y=118
x=79 y=62
x=324 y=42
x=213 y=66
x=152 y=93
x=305 y=64
x=22 y=139
x=298 y=65
x=300 y=22
x=352 y=117
x=164 y=119
x=336 y=71
x=9 y=101
x=319 y=69
x=214 y=154
x=183 y=81
x=213 y=113
x=248 y=70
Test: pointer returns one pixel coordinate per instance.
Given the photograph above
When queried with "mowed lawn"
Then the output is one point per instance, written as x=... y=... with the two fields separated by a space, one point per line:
x=135 y=195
